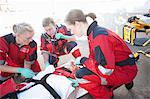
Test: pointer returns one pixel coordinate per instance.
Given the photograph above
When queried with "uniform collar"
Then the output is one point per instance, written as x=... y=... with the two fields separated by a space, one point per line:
x=91 y=27
x=12 y=38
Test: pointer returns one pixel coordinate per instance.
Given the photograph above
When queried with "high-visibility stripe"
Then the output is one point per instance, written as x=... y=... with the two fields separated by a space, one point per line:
x=105 y=71
x=29 y=62
x=43 y=51
x=82 y=81
x=2 y=62
x=1 y=51
x=103 y=81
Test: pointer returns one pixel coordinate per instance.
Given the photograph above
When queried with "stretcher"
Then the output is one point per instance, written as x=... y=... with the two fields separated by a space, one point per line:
x=59 y=83
x=135 y=26
x=146 y=53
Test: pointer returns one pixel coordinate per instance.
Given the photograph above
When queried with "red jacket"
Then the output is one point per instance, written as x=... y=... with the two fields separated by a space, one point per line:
x=13 y=55
x=55 y=46
x=106 y=49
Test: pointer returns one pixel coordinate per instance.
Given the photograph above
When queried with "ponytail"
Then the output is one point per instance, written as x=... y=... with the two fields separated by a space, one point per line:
x=91 y=15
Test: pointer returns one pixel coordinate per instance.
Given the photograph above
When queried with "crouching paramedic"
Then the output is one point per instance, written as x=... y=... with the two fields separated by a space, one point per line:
x=56 y=41
x=110 y=63
x=18 y=52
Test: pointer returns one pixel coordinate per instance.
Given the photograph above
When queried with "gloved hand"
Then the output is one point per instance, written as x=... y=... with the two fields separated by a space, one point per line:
x=47 y=64
x=74 y=82
x=60 y=36
x=26 y=72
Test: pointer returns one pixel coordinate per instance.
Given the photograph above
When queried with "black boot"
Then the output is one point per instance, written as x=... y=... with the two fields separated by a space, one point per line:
x=129 y=85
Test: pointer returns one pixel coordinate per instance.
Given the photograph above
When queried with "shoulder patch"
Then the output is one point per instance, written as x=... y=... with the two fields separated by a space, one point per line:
x=9 y=38
x=32 y=44
x=99 y=31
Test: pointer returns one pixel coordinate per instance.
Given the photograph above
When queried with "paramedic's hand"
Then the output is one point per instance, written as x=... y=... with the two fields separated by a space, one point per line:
x=26 y=72
x=47 y=64
x=60 y=36
x=74 y=82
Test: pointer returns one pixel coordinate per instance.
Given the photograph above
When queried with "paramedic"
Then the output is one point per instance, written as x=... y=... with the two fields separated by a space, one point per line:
x=110 y=63
x=18 y=52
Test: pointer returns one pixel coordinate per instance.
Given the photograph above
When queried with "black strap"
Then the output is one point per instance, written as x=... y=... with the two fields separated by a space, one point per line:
x=129 y=61
x=13 y=95
x=48 y=87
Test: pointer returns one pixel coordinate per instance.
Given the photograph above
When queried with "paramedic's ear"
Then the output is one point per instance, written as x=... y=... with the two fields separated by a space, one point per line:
x=14 y=28
x=77 y=23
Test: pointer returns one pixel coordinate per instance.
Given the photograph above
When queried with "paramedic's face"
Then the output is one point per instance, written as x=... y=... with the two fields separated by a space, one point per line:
x=50 y=30
x=25 y=38
x=75 y=29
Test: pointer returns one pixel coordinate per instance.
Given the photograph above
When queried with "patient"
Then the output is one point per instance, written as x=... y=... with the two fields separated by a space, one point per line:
x=60 y=86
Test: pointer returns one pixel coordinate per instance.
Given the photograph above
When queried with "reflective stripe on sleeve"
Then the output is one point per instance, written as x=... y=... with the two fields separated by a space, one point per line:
x=103 y=81
x=28 y=62
x=82 y=81
x=105 y=71
x=2 y=62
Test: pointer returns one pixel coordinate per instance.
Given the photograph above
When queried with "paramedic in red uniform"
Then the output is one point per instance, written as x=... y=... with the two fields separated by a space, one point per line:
x=110 y=63
x=18 y=52
x=56 y=41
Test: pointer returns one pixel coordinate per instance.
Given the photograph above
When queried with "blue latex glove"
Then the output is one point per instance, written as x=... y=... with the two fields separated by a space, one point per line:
x=74 y=82
x=77 y=61
x=60 y=36
x=47 y=64
x=26 y=72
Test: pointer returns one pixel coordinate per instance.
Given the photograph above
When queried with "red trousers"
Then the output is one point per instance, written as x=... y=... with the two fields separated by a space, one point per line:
x=120 y=76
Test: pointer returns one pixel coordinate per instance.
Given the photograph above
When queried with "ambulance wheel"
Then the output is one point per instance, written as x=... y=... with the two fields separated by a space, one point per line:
x=129 y=85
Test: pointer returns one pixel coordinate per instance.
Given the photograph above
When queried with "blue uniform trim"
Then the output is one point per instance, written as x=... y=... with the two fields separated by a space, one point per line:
x=33 y=56
x=99 y=56
x=91 y=27
x=83 y=59
x=99 y=31
x=83 y=72
x=96 y=30
x=32 y=44
x=10 y=38
x=71 y=45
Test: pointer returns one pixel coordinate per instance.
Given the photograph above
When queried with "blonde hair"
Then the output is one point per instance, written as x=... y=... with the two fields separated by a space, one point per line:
x=22 y=28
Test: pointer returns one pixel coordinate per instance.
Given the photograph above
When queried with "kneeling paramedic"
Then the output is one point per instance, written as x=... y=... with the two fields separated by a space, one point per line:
x=56 y=41
x=18 y=52
x=110 y=63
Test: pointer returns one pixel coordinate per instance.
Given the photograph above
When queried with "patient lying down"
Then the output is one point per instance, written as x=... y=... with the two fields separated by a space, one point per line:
x=59 y=86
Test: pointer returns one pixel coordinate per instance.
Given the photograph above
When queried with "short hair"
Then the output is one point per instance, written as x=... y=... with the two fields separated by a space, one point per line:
x=47 y=21
x=75 y=15
x=22 y=28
